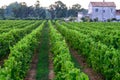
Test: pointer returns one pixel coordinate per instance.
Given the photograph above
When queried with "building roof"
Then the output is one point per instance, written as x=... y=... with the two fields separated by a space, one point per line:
x=117 y=12
x=103 y=4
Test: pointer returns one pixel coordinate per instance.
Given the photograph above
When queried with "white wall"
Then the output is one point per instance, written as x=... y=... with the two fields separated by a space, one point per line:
x=108 y=14
x=117 y=17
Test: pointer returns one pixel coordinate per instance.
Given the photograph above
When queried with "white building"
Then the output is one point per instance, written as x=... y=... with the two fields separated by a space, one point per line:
x=102 y=10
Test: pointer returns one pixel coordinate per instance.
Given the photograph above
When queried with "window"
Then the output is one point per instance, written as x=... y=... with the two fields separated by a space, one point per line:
x=103 y=11
x=111 y=10
x=96 y=10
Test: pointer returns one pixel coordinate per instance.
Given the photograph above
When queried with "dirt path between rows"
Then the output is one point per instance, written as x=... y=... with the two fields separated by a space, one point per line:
x=2 y=62
x=51 y=68
x=31 y=75
x=3 y=59
x=89 y=71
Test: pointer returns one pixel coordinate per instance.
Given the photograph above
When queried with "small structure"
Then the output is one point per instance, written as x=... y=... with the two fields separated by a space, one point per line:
x=102 y=10
x=80 y=16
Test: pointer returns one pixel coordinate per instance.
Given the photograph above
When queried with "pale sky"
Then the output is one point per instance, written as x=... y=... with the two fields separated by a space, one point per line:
x=46 y=3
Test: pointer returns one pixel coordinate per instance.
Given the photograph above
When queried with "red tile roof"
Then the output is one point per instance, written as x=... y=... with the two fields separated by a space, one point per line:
x=103 y=4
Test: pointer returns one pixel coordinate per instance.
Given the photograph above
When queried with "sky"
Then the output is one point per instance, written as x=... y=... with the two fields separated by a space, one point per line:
x=46 y=3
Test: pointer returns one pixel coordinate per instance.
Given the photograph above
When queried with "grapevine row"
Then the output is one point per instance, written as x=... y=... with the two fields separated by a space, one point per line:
x=108 y=37
x=64 y=68
x=21 y=53
x=9 y=39
x=100 y=57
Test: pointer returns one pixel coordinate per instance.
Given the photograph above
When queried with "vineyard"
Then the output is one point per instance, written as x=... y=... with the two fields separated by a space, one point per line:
x=45 y=50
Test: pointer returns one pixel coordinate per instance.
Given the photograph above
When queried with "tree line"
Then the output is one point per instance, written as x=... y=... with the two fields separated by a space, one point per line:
x=22 y=11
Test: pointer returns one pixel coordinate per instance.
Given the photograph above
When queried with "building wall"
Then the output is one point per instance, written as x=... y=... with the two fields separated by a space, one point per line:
x=102 y=13
x=118 y=17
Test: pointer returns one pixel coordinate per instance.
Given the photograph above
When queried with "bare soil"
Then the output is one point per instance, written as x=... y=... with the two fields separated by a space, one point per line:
x=86 y=69
x=1 y=62
x=3 y=59
x=31 y=75
x=51 y=68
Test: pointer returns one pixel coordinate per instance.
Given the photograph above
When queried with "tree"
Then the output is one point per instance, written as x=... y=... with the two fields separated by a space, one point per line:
x=48 y=15
x=2 y=11
x=39 y=12
x=52 y=11
x=76 y=7
x=74 y=10
x=37 y=4
x=21 y=11
x=37 y=9
x=58 y=10
x=9 y=9
x=31 y=12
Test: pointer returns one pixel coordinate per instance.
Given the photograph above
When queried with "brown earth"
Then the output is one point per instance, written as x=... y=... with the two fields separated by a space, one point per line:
x=31 y=75
x=1 y=62
x=51 y=68
x=86 y=69
x=3 y=59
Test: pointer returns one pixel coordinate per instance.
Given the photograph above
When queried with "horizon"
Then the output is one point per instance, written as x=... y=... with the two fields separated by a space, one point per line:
x=45 y=3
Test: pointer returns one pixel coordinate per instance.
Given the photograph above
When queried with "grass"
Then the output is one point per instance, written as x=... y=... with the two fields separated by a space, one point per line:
x=42 y=67
x=77 y=65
